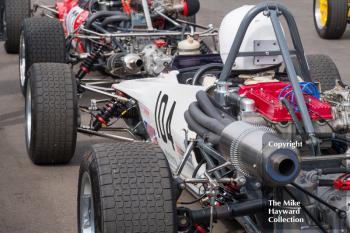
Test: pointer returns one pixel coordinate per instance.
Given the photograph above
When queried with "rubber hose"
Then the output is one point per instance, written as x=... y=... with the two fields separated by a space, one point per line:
x=115 y=40
x=211 y=124
x=204 y=69
x=201 y=131
x=206 y=105
x=222 y=111
x=337 y=170
x=115 y=18
x=290 y=109
x=100 y=14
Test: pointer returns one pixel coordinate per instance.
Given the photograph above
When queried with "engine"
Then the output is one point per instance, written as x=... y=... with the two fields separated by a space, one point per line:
x=288 y=140
x=129 y=55
x=270 y=104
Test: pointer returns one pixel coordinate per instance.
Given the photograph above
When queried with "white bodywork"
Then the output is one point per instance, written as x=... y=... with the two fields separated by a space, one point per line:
x=259 y=30
x=162 y=102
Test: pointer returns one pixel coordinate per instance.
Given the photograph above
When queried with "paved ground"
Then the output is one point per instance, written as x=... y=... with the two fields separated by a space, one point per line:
x=43 y=199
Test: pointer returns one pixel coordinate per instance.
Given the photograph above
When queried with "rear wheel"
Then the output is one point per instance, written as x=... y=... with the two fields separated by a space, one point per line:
x=330 y=18
x=125 y=188
x=15 y=12
x=41 y=41
x=322 y=70
x=51 y=113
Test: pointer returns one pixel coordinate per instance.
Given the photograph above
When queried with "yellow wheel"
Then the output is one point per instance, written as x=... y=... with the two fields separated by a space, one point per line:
x=323 y=11
x=330 y=17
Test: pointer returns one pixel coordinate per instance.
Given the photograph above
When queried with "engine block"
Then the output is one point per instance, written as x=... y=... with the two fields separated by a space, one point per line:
x=267 y=102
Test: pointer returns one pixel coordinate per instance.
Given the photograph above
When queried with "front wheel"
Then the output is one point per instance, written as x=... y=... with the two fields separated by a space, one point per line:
x=330 y=18
x=51 y=113
x=125 y=188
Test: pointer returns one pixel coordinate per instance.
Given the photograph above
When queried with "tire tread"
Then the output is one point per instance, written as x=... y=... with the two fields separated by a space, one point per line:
x=54 y=113
x=16 y=12
x=135 y=188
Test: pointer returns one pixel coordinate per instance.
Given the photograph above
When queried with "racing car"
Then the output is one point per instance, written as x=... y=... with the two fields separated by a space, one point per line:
x=12 y=13
x=259 y=137
x=117 y=44
x=331 y=17
x=118 y=38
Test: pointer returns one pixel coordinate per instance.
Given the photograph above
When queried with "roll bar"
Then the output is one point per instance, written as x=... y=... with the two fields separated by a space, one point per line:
x=273 y=10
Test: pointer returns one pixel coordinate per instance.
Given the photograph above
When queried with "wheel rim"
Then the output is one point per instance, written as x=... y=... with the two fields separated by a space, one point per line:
x=28 y=112
x=321 y=13
x=87 y=220
x=22 y=60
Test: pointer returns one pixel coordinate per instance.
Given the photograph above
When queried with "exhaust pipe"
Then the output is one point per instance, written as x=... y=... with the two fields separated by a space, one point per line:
x=252 y=150
x=119 y=64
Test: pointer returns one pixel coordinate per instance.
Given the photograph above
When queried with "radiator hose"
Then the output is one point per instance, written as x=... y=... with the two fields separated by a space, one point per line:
x=256 y=151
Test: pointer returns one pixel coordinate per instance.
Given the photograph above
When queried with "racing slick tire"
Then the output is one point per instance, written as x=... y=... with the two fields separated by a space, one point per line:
x=51 y=113
x=42 y=41
x=126 y=188
x=322 y=70
x=15 y=12
x=330 y=18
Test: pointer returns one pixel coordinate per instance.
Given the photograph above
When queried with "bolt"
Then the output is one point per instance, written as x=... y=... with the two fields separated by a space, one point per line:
x=257 y=185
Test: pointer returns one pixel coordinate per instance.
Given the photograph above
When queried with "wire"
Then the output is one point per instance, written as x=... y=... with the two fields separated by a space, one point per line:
x=307 y=88
x=298 y=124
x=306 y=210
x=197 y=168
x=192 y=202
x=333 y=208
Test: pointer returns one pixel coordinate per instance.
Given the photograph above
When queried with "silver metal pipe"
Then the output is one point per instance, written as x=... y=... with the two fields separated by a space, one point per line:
x=147 y=15
x=105 y=93
x=47 y=15
x=133 y=34
x=105 y=135
x=168 y=18
x=204 y=180
x=185 y=158
x=325 y=158
x=102 y=88
x=219 y=167
x=46 y=8
x=119 y=129
x=98 y=82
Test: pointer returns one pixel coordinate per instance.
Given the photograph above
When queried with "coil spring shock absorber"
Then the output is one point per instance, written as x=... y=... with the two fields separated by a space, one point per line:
x=107 y=112
x=89 y=62
x=113 y=109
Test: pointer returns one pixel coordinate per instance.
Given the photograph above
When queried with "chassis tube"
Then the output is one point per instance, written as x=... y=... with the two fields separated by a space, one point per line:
x=147 y=15
x=272 y=10
x=292 y=74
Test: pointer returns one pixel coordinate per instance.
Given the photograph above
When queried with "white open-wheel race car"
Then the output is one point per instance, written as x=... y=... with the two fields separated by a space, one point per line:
x=255 y=123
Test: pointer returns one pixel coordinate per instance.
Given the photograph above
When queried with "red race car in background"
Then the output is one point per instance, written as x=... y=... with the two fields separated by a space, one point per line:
x=118 y=37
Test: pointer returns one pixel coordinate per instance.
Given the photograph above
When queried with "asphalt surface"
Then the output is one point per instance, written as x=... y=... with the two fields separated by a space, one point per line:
x=37 y=199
